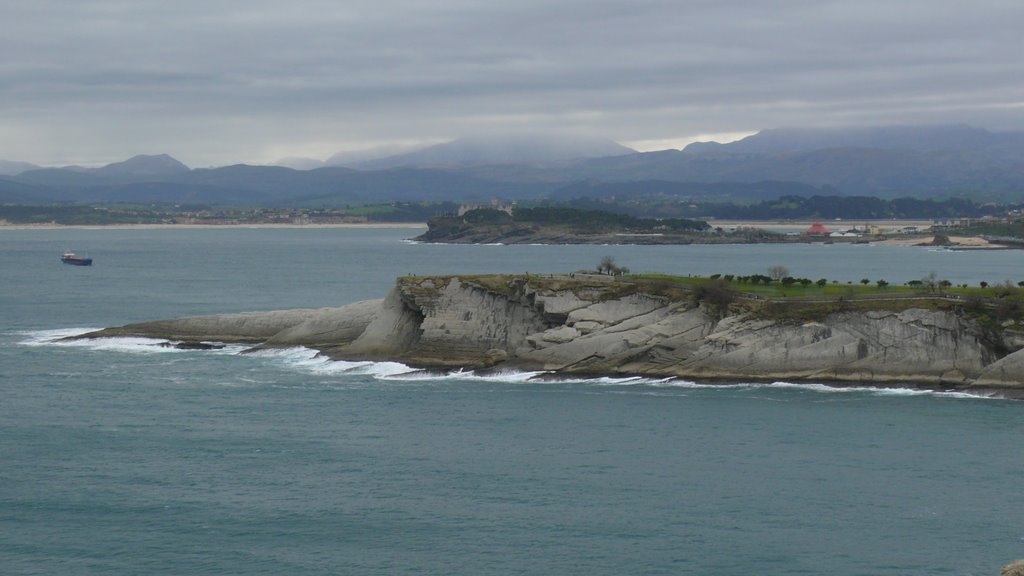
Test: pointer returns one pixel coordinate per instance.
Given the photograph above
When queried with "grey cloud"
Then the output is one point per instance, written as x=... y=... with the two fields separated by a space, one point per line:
x=214 y=82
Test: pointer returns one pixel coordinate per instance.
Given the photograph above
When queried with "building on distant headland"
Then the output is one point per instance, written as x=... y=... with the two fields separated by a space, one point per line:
x=951 y=222
x=495 y=204
x=817 y=229
x=851 y=233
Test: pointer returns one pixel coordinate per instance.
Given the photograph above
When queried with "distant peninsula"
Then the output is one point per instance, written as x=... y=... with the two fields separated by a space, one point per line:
x=558 y=225
x=928 y=334
x=505 y=224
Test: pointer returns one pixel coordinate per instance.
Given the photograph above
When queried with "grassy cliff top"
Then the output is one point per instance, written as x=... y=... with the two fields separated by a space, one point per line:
x=799 y=299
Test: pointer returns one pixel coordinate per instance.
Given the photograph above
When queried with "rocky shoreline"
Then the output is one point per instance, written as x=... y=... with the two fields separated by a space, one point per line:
x=596 y=325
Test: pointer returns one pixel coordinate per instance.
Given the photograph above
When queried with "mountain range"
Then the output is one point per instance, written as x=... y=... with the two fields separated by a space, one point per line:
x=891 y=161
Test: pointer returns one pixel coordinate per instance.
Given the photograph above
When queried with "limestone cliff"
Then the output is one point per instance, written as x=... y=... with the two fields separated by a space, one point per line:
x=596 y=325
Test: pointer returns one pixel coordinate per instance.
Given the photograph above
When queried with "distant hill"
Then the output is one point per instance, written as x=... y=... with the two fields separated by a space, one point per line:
x=144 y=166
x=13 y=192
x=515 y=149
x=918 y=138
x=60 y=178
x=887 y=162
x=262 y=185
x=926 y=162
x=467 y=152
x=11 y=168
x=354 y=158
x=655 y=190
x=298 y=163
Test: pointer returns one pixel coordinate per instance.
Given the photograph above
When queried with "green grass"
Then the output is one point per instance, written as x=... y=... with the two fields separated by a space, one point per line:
x=995 y=306
x=678 y=287
x=776 y=290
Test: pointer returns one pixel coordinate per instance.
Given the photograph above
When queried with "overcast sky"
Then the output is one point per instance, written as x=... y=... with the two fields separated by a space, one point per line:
x=215 y=82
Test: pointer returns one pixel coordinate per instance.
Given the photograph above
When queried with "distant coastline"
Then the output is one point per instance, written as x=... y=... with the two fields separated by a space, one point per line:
x=961 y=242
x=765 y=224
x=556 y=225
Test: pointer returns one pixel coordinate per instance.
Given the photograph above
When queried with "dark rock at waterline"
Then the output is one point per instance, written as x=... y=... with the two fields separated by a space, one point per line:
x=192 y=345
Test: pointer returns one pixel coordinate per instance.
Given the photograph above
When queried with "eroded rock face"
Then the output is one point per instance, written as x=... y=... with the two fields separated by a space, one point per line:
x=914 y=345
x=570 y=329
x=446 y=323
x=329 y=326
x=393 y=330
x=1007 y=372
x=584 y=331
x=632 y=339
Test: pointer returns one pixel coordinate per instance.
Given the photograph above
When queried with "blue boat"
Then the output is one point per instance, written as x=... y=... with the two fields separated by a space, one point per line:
x=75 y=260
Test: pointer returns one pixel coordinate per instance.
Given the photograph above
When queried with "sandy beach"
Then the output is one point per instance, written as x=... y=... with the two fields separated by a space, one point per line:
x=968 y=241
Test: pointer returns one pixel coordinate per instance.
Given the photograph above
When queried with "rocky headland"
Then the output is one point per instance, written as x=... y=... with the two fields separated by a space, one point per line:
x=591 y=324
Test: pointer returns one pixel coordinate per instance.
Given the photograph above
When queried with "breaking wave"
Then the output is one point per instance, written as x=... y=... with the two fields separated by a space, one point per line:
x=311 y=361
x=821 y=388
x=119 y=344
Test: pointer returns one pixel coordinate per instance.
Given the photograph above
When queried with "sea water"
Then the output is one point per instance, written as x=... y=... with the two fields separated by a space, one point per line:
x=120 y=456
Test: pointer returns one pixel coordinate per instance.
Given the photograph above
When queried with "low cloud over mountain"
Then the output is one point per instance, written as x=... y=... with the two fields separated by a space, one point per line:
x=935 y=161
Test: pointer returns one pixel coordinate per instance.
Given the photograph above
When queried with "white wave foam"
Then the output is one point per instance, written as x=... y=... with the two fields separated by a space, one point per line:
x=292 y=354
x=339 y=367
x=622 y=380
x=672 y=382
x=298 y=357
x=508 y=376
x=815 y=387
x=311 y=361
x=544 y=377
x=391 y=371
x=676 y=383
x=47 y=337
x=847 y=389
x=380 y=370
x=125 y=344
x=628 y=381
x=117 y=344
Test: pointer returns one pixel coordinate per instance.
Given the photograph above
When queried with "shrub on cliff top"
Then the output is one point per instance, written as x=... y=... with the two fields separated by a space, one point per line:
x=716 y=294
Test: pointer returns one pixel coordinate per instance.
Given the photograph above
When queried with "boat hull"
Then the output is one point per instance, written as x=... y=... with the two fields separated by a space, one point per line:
x=77 y=261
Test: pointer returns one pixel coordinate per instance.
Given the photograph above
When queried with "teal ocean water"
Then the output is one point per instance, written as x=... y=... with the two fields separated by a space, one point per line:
x=121 y=457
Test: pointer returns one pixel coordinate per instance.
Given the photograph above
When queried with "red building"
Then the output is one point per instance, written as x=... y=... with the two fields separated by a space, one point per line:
x=817 y=230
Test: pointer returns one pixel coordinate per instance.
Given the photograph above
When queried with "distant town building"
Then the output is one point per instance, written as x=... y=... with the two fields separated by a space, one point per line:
x=495 y=204
x=851 y=233
x=817 y=229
